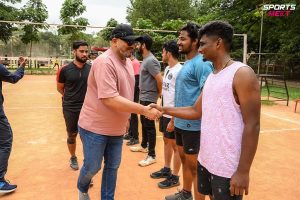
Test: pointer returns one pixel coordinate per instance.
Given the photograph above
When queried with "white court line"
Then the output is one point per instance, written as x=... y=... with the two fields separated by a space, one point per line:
x=280 y=130
x=281 y=118
x=32 y=108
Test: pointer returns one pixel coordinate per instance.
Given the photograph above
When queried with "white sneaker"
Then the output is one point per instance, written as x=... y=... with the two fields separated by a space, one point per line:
x=83 y=196
x=148 y=161
x=139 y=149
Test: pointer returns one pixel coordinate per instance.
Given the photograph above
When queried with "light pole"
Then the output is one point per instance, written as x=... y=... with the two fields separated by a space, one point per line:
x=260 y=39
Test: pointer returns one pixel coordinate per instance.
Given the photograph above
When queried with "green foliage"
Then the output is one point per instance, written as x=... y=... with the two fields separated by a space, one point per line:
x=8 y=13
x=105 y=33
x=173 y=24
x=52 y=40
x=33 y=11
x=159 y=11
x=70 y=15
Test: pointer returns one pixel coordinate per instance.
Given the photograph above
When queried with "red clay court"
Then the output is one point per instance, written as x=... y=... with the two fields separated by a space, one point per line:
x=39 y=160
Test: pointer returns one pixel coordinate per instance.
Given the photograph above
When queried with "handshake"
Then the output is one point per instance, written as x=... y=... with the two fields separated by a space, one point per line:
x=152 y=111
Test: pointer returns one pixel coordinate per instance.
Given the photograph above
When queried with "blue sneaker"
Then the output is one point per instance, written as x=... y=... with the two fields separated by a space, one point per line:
x=6 y=187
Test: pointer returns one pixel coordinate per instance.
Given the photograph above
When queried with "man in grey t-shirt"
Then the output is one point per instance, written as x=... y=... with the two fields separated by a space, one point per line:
x=150 y=89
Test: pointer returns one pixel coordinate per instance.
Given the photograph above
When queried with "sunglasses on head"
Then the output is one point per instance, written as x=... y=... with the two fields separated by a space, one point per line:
x=129 y=42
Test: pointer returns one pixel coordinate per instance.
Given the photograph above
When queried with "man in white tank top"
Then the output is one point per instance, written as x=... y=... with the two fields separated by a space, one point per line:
x=229 y=108
x=170 y=55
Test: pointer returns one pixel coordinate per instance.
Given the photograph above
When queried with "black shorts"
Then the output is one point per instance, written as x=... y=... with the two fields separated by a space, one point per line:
x=190 y=140
x=71 y=119
x=217 y=186
x=163 y=124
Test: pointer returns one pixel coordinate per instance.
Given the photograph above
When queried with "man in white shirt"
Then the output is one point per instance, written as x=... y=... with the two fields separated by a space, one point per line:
x=170 y=55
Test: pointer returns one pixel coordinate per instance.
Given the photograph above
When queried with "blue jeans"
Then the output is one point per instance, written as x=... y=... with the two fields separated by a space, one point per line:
x=95 y=147
x=6 y=139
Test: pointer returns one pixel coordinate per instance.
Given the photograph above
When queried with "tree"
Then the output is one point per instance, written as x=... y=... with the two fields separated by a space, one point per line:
x=69 y=15
x=52 y=41
x=8 y=13
x=106 y=32
x=34 y=11
x=159 y=11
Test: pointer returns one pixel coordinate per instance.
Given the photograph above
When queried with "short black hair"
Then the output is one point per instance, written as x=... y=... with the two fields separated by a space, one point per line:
x=147 y=40
x=172 y=47
x=220 y=29
x=192 y=29
x=79 y=43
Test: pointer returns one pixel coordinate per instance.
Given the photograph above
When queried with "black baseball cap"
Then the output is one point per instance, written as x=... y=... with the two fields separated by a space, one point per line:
x=125 y=32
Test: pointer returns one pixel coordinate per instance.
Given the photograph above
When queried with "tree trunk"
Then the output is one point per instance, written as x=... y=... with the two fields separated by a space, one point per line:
x=30 y=50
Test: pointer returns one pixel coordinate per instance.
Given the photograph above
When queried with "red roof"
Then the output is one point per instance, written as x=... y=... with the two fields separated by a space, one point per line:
x=100 y=48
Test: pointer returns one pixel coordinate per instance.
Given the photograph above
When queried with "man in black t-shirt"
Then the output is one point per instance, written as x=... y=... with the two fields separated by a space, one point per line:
x=72 y=84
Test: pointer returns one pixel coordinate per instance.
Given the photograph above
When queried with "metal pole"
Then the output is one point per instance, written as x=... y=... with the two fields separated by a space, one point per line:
x=260 y=39
x=245 y=49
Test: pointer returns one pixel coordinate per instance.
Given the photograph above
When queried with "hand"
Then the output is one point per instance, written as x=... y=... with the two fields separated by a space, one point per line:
x=170 y=127
x=151 y=113
x=157 y=107
x=22 y=61
x=239 y=183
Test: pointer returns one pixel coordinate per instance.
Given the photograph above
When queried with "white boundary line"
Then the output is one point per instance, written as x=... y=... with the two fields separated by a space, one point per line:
x=281 y=118
x=280 y=130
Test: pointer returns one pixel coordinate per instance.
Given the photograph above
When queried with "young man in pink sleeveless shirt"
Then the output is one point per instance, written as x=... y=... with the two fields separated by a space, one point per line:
x=229 y=108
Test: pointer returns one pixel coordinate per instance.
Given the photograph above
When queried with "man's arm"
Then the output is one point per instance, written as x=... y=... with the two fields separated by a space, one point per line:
x=122 y=104
x=247 y=90
x=159 y=81
x=60 y=81
x=60 y=88
x=191 y=112
x=7 y=76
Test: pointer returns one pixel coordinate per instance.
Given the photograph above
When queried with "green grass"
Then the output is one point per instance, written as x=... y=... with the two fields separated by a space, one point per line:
x=268 y=103
x=294 y=93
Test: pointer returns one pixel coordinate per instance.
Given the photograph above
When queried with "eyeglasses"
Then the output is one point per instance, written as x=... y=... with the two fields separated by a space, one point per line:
x=129 y=42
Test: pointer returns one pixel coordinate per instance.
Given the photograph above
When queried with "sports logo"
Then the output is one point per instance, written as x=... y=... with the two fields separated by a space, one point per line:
x=279 y=10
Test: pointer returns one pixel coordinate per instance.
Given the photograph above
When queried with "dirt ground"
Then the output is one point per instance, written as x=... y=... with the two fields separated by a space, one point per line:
x=39 y=160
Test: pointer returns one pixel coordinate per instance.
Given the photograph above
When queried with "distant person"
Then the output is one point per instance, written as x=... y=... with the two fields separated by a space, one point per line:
x=5 y=62
x=133 y=132
x=56 y=63
x=72 y=84
x=92 y=56
x=150 y=90
x=170 y=55
x=6 y=134
x=106 y=111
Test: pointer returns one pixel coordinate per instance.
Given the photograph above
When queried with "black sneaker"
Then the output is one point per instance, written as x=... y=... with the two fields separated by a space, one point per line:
x=169 y=182
x=179 y=196
x=74 y=163
x=162 y=173
x=6 y=187
x=132 y=142
x=126 y=137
